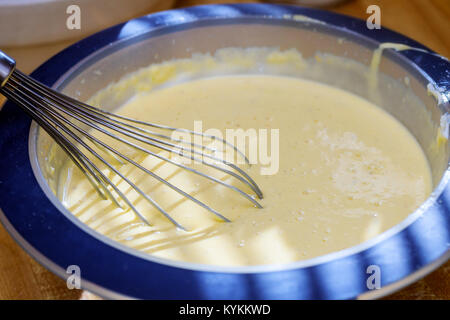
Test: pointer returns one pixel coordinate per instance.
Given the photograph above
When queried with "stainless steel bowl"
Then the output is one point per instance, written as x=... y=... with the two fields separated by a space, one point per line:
x=404 y=253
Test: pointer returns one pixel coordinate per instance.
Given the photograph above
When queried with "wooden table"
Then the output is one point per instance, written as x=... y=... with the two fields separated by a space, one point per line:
x=427 y=21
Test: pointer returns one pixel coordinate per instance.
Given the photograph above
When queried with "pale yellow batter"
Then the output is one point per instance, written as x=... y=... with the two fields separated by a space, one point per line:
x=347 y=172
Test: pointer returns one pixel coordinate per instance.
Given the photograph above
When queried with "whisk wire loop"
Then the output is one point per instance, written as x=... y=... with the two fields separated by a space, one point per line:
x=70 y=123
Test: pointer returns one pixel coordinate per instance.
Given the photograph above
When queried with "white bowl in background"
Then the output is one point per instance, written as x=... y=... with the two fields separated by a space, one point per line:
x=32 y=22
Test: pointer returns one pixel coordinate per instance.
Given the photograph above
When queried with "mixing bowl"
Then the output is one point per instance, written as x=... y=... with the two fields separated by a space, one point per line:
x=413 y=86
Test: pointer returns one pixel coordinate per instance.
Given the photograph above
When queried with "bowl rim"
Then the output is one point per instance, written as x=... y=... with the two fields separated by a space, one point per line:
x=35 y=230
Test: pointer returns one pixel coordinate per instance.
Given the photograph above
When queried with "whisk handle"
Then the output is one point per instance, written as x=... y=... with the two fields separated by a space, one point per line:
x=7 y=66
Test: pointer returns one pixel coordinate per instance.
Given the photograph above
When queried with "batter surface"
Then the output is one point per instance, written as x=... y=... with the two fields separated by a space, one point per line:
x=347 y=172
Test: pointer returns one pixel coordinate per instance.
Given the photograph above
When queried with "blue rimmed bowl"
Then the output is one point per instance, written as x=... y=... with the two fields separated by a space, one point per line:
x=48 y=232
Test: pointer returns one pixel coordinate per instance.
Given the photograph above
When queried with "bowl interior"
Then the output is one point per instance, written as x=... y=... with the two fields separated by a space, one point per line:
x=339 y=57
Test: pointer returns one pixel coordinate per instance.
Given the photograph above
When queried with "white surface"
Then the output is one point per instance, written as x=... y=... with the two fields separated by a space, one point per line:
x=31 y=22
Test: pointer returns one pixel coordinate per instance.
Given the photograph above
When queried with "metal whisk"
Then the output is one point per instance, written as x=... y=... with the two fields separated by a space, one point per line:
x=59 y=114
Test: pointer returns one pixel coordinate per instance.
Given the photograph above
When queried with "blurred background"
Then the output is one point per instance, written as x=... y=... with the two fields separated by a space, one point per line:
x=37 y=30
